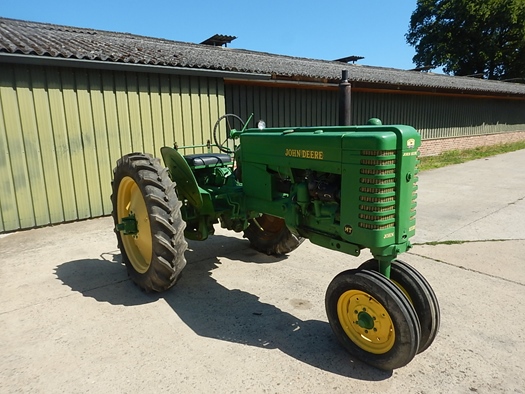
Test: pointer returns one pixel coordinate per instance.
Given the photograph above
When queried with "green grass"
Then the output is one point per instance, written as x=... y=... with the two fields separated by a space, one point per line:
x=461 y=156
x=435 y=243
x=453 y=242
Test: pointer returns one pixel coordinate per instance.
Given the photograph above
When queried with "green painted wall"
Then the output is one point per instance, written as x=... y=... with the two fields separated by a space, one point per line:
x=433 y=116
x=62 y=130
x=441 y=116
x=282 y=107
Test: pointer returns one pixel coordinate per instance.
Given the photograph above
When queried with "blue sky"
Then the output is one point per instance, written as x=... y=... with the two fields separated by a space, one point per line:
x=325 y=30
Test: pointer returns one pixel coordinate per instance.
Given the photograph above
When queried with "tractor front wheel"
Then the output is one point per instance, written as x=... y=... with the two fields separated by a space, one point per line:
x=269 y=234
x=148 y=222
x=419 y=293
x=372 y=319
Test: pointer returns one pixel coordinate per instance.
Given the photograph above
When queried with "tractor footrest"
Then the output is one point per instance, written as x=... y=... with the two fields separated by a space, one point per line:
x=208 y=160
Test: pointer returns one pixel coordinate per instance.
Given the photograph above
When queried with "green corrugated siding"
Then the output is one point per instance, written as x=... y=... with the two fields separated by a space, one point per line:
x=62 y=130
x=433 y=116
x=441 y=116
x=282 y=107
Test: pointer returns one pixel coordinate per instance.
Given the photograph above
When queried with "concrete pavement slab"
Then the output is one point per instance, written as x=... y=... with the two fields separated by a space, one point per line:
x=501 y=259
x=238 y=321
x=473 y=200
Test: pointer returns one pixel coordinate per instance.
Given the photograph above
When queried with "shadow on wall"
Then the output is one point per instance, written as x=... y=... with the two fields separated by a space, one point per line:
x=213 y=311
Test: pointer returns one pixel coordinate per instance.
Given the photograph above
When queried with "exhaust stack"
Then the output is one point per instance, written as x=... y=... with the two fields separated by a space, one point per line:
x=345 y=100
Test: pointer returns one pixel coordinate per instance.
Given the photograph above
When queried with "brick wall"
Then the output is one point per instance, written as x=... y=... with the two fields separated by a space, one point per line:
x=432 y=147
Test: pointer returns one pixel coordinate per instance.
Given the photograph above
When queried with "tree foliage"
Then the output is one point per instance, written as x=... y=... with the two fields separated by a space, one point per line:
x=470 y=37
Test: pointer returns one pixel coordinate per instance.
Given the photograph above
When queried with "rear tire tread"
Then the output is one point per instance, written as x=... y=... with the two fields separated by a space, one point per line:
x=272 y=243
x=165 y=221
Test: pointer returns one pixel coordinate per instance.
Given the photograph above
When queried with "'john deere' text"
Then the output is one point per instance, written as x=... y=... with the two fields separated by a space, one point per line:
x=304 y=154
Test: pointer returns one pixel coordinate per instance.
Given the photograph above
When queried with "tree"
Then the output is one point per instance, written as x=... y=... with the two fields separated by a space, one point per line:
x=470 y=37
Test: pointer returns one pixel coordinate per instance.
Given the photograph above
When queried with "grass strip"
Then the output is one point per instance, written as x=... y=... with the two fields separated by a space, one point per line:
x=462 y=156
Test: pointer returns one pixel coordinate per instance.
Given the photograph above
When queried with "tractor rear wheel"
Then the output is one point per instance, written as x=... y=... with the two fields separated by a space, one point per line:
x=153 y=243
x=269 y=234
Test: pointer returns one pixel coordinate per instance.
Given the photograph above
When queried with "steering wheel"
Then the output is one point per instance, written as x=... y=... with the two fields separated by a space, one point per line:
x=224 y=125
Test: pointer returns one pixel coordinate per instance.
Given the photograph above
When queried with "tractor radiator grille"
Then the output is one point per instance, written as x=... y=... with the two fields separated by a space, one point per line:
x=374 y=181
x=371 y=208
x=374 y=217
x=369 y=162
x=371 y=226
x=378 y=191
x=413 y=203
x=376 y=199
x=371 y=171
x=378 y=153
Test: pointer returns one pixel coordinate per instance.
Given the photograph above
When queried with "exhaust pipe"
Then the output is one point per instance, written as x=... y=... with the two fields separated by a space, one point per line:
x=345 y=100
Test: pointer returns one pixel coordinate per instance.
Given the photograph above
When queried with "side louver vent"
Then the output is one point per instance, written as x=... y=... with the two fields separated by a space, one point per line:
x=378 y=172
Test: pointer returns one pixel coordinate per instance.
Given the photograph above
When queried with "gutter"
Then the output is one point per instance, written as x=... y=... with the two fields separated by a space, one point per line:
x=375 y=88
x=16 y=58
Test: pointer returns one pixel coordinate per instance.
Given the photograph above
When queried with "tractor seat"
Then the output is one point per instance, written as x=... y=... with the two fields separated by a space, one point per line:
x=208 y=160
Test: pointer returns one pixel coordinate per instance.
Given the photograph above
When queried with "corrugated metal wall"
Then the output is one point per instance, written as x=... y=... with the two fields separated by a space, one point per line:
x=62 y=130
x=434 y=116
x=441 y=116
x=282 y=106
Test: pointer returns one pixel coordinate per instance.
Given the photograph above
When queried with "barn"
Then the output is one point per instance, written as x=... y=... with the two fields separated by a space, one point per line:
x=73 y=100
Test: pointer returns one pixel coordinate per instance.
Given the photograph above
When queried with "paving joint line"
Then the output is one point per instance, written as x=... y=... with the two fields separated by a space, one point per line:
x=466 y=269
x=64 y=296
x=458 y=242
x=487 y=215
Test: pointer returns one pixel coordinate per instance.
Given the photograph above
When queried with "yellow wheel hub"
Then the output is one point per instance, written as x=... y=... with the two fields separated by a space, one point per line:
x=130 y=201
x=365 y=321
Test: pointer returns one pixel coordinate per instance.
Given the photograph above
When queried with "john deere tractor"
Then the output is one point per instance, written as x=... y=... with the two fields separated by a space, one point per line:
x=345 y=188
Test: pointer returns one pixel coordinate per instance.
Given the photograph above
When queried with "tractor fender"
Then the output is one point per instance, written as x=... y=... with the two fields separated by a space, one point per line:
x=183 y=176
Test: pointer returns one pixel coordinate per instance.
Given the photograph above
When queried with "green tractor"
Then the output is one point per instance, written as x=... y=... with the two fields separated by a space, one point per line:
x=345 y=188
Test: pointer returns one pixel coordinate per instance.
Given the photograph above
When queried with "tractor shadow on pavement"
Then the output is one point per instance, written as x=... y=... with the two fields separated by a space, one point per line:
x=214 y=311
x=104 y=279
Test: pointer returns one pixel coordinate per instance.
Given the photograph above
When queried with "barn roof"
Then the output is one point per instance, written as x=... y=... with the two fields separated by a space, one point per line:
x=19 y=37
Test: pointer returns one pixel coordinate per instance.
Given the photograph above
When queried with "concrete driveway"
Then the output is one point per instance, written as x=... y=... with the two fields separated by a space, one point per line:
x=238 y=321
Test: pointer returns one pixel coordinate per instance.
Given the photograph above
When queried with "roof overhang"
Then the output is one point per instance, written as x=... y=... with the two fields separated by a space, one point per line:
x=16 y=58
x=359 y=86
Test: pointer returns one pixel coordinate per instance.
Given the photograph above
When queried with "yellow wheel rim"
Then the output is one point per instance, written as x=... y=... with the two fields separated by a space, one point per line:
x=138 y=247
x=366 y=322
x=403 y=290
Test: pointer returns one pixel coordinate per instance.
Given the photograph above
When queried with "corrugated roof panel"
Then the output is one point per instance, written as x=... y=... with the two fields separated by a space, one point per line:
x=70 y=42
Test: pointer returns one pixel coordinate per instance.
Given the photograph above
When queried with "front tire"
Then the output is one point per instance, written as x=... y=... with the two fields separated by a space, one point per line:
x=372 y=319
x=419 y=293
x=142 y=189
x=269 y=234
